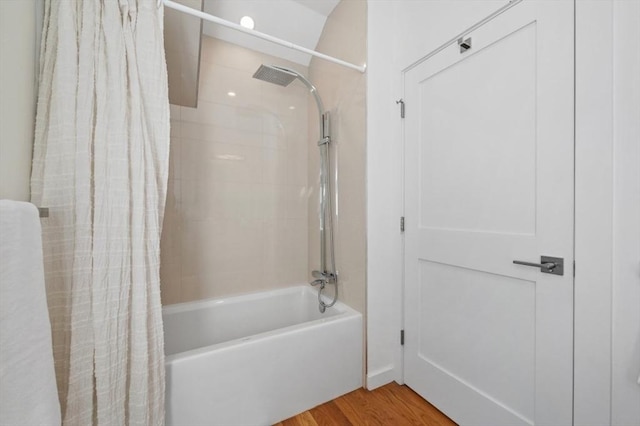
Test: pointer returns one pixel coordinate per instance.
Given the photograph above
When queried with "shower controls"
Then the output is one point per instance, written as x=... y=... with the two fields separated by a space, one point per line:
x=327 y=277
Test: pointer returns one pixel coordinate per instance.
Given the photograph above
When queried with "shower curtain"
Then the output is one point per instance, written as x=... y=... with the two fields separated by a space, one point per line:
x=100 y=166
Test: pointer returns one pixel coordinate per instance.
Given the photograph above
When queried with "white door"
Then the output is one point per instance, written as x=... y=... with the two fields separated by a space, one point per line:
x=489 y=180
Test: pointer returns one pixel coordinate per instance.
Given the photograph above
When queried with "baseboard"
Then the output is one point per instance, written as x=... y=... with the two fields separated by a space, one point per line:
x=380 y=377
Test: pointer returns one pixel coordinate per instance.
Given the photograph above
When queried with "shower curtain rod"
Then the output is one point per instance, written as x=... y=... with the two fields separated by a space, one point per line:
x=193 y=12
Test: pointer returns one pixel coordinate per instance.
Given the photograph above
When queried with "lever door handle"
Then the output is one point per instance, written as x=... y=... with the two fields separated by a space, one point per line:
x=548 y=265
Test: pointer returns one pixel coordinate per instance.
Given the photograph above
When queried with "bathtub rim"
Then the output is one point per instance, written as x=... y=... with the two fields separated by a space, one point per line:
x=344 y=312
x=241 y=297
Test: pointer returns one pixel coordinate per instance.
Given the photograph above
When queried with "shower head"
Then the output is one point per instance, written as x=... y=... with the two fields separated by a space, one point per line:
x=284 y=77
x=275 y=75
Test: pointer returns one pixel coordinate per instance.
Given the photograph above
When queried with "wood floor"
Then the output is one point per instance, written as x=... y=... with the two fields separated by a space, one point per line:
x=390 y=405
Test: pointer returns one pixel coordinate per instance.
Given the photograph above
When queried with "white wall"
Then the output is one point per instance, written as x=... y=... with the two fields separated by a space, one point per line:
x=594 y=132
x=608 y=194
x=625 y=389
x=17 y=96
x=384 y=202
x=607 y=286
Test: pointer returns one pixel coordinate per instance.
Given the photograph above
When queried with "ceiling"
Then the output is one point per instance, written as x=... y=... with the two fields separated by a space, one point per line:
x=296 y=21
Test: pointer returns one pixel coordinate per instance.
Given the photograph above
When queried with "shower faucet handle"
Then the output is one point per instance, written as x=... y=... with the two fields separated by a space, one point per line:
x=318 y=274
x=328 y=277
x=324 y=141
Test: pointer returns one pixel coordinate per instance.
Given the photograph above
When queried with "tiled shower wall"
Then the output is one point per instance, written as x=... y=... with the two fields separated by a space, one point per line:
x=237 y=202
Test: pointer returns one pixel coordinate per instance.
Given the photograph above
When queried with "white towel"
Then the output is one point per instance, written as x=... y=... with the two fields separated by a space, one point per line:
x=28 y=392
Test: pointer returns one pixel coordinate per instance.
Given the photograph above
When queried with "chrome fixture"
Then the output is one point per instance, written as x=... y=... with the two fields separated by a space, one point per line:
x=465 y=44
x=327 y=273
x=548 y=265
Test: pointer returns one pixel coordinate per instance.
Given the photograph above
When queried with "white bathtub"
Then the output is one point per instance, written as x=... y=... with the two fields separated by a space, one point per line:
x=258 y=359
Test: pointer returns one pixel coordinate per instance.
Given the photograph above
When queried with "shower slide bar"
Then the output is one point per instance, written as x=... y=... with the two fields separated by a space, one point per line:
x=193 y=12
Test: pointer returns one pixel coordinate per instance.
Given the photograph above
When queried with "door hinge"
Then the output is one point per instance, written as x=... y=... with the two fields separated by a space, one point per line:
x=401 y=337
x=402 y=224
x=401 y=102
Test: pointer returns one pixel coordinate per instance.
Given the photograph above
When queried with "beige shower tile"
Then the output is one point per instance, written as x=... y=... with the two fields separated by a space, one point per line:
x=220 y=200
x=351 y=249
x=272 y=201
x=210 y=162
x=285 y=251
x=313 y=227
x=281 y=201
x=240 y=281
x=234 y=200
x=221 y=244
x=273 y=94
x=296 y=124
x=231 y=163
x=175 y=128
x=273 y=141
x=219 y=52
x=216 y=81
x=214 y=133
x=297 y=201
x=235 y=117
x=170 y=233
x=276 y=166
x=198 y=287
x=174 y=159
x=352 y=288
x=174 y=112
x=170 y=248
x=221 y=284
x=286 y=107
x=172 y=212
x=214 y=249
x=297 y=264
x=295 y=106
x=194 y=204
x=298 y=168
x=170 y=283
x=272 y=124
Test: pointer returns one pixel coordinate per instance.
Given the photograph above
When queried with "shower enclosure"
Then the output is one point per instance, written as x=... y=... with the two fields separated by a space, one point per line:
x=245 y=181
x=327 y=273
x=239 y=200
x=241 y=234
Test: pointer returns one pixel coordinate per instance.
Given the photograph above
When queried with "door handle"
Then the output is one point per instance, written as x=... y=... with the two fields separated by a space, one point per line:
x=547 y=265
